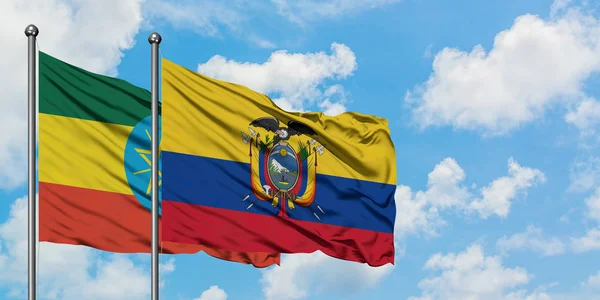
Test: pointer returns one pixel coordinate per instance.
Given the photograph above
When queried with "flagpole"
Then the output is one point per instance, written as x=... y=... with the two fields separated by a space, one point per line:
x=154 y=39
x=31 y=32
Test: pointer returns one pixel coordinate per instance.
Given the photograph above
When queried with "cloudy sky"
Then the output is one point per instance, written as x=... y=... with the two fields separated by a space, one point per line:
x=494 y=111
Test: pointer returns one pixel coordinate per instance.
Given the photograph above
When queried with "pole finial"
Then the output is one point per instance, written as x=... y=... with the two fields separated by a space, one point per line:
x=31 y=30
x=154 y=38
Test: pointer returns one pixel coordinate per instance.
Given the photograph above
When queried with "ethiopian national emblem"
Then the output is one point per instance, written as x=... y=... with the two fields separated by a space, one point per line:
x=283 y=167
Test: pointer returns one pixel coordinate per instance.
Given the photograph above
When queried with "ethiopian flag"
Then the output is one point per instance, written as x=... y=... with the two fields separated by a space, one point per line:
x=94 y=165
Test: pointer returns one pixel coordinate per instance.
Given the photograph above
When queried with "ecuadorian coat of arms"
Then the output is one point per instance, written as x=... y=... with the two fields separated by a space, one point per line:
x=283 y=164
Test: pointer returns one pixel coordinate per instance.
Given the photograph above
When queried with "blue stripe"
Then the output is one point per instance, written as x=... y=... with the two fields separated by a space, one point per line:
x=223 y=184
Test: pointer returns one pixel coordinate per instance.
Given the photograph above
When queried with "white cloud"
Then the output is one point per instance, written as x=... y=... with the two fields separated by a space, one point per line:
x=296 y=78
x=532 y=239
x=420 y=211
x=209 y=17
x=532 y=66
x=203 y=16
x=497 y=196
x=415 y=214
x=213 y=293
x=559 y=6
x=213 y=18
x=66 y=271
x=118 y=278
x=585 y=175
x=331 y=109
x=298 y=274
x=443 y=184
x=301 y=11
x=261 y=42
x=593 y=205
x=593 y=282
x=586 y=116
x=472 y=275
x=167 y=267
x=587 y=179
x=589 y=242
x=427 y=53
x=76 y=32
x=334 y=101
x=524 y=295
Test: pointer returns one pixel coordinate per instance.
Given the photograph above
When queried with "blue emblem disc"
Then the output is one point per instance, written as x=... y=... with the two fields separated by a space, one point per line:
x=138 y=159
x=283 y=167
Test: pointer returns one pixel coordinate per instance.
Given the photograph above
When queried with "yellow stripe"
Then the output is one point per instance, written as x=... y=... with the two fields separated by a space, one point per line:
x=205 y=117
x=83 y=153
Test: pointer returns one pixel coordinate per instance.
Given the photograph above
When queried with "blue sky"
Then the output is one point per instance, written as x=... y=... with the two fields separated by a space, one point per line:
x=493 y=108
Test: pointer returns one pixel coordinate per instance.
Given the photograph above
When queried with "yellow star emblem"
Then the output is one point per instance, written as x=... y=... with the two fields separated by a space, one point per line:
x=146 y=154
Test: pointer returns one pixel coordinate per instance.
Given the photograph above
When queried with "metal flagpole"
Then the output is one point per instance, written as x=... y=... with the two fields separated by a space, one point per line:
x=31 y=32
x=154 y=41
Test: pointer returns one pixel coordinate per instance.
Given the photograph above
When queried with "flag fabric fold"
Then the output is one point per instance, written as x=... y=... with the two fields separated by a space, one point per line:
x=94 y=165
x=241 y=174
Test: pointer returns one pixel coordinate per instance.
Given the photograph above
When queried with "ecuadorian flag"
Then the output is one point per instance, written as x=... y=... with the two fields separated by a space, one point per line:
x=94 y=165
x=241 y=174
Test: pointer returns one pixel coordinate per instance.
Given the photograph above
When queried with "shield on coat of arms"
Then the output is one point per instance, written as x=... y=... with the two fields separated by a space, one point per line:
x=278 y=173
x=283 y=167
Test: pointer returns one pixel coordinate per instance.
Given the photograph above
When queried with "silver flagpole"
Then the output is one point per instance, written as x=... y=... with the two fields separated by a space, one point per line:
x=31 y=32
x=154 y=41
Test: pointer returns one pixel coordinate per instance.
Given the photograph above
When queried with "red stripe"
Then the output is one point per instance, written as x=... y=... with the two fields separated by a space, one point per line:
x=114 y=222
x=240 y=231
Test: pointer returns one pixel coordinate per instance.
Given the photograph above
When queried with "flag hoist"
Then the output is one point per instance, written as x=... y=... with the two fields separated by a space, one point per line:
x=154 y=39
x=31 y=32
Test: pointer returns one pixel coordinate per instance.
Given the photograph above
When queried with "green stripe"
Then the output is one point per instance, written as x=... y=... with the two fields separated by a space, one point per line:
x=70 y=91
